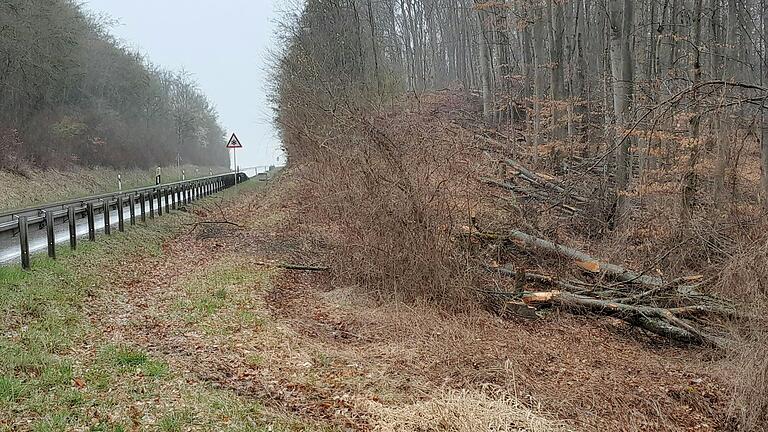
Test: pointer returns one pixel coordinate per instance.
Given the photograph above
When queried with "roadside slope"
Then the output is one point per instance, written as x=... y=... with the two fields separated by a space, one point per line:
x=188 y=324
x=38 y=187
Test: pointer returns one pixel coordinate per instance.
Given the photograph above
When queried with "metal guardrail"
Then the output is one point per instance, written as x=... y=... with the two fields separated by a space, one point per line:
x=141 y=203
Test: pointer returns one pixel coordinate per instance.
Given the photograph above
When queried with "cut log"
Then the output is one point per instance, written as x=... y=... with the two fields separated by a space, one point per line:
x=585 y=261
x=662 y=322
x=628 y=277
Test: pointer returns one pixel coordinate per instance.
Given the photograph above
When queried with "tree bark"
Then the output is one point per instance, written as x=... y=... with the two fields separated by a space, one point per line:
x=538 y=82
x=622 y=66
x=485 y=68
x=691 y=178
x=764 y=114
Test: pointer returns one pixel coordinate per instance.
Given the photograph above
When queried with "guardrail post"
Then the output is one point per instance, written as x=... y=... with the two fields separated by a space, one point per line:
x=72 y=228
x=143 y=206
x=24 y=242
x=152 y=205
x=167 y=203
x=174 y=197
x=107 y=218
x=132 y=211
x=120 y=215
x=159 y=194
x=51 y=235
x=91 y=221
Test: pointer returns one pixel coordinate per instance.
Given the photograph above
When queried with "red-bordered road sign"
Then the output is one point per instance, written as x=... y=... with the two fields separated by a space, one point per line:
x=234 y=143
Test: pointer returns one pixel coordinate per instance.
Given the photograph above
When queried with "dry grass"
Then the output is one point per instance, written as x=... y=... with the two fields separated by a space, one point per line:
x=36 y=187
x=744 y=276
x=462 y=411
x=749 y=363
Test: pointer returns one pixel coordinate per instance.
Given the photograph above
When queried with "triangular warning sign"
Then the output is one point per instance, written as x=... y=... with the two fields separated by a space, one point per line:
x=234 y=142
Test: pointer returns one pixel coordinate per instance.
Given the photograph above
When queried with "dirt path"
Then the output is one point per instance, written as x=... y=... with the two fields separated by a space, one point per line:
x=316 y=355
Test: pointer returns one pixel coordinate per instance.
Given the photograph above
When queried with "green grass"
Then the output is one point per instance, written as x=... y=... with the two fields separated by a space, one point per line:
x=176 y=421
x=129 y=357
x=217 y=288
x=11 y=389
x=42 y=325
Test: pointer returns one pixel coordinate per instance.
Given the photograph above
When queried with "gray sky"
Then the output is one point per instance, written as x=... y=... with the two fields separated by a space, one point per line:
x=224 y=44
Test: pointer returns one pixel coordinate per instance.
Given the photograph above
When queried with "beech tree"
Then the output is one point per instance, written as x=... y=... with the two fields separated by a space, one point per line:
x=662 y=87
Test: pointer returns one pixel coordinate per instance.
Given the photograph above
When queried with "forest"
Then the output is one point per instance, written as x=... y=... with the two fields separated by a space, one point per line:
x=71 y=94
x=483 y=153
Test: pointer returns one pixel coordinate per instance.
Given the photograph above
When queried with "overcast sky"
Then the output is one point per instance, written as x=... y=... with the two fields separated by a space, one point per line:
x=225 y=44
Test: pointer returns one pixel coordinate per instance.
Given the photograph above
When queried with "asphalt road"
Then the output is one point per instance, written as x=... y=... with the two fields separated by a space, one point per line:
x=10 y=250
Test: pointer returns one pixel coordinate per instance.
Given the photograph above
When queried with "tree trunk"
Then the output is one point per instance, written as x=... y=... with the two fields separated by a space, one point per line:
x=621 y=23
x=691 y=178
x=764 y=114
x=538 y=82
x=485 y=68
x=557 y=86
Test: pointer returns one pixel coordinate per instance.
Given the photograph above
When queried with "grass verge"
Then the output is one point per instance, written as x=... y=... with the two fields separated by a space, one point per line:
x=61 y=371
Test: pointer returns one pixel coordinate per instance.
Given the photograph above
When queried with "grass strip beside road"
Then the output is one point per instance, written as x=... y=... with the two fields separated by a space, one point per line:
x=46 y=383
x=63 y=369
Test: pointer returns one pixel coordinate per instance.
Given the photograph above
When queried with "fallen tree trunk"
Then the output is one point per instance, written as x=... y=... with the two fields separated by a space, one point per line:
x=627 y=277
x=671 y=322
x=662 y=322
x=584 y=260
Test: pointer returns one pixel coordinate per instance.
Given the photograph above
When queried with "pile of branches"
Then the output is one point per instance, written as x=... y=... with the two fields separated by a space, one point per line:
x=537 y=186
x=676 y=309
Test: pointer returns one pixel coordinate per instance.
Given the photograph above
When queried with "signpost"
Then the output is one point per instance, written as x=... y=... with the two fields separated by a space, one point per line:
x=235 y=144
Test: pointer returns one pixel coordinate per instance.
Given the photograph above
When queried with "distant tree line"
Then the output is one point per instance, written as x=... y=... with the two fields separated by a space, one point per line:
x=638 y=89
x=70 y=93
